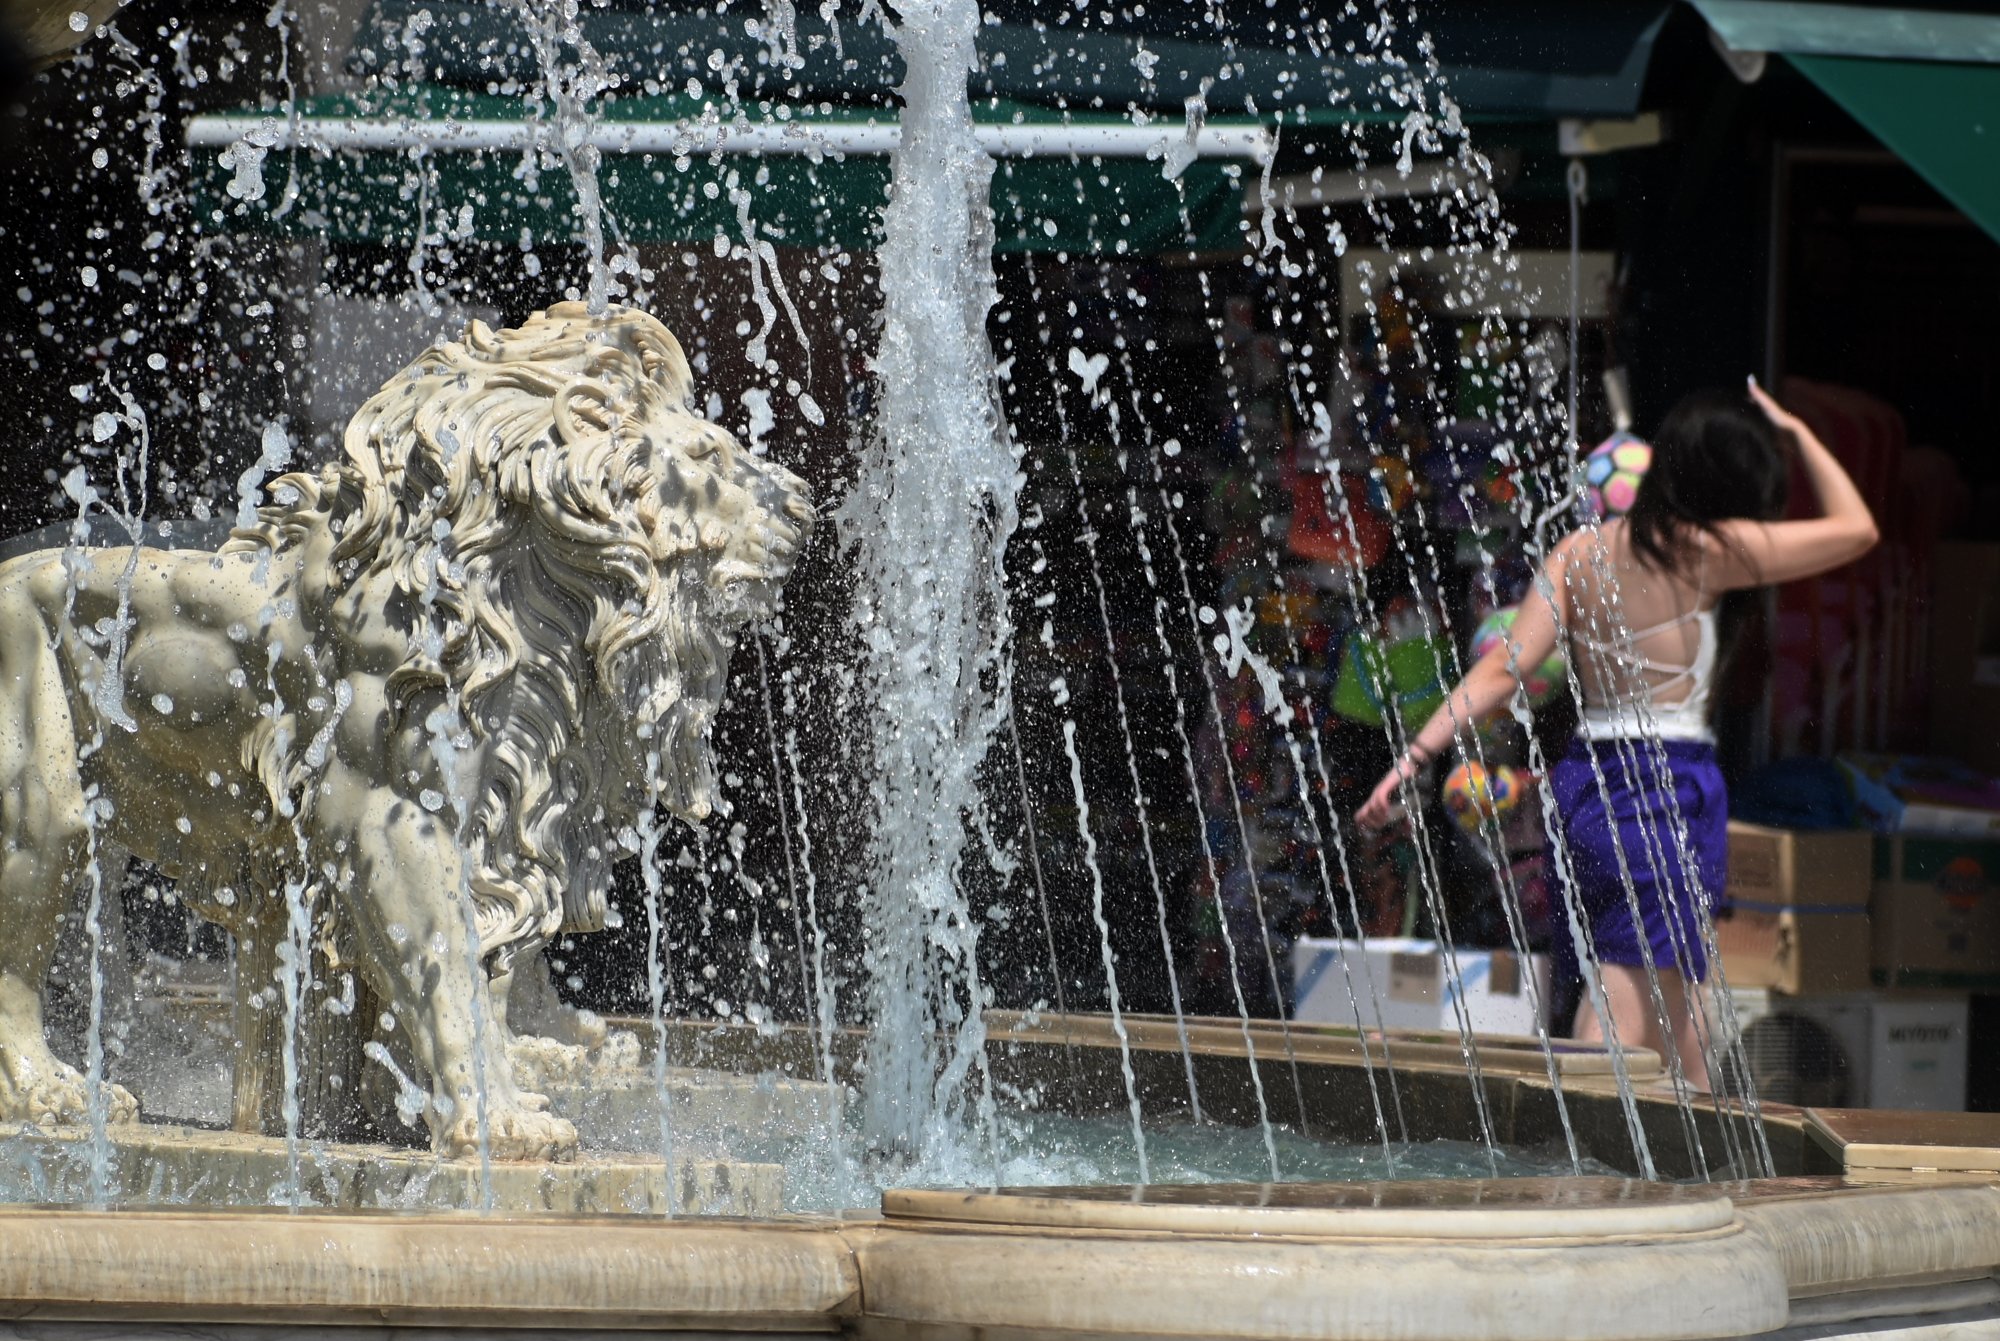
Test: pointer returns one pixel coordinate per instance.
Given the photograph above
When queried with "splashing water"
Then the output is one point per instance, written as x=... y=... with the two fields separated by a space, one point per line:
x=929 y=517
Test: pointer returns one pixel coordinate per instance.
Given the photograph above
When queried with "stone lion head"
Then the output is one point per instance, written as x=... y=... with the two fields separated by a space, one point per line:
x=571 y=551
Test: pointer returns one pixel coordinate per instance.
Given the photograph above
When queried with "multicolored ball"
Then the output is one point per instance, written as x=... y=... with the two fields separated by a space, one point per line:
x=1613 y=472
x=1474 y=794
x=1542 y=682
x=1390 y=484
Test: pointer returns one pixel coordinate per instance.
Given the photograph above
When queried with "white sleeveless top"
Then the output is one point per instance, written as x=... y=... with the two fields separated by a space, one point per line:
x=1686 y=719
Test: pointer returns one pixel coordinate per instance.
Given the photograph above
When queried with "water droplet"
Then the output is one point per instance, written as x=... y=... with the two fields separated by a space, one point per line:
x=433 y=800
x=184 y=824
x=78 y=21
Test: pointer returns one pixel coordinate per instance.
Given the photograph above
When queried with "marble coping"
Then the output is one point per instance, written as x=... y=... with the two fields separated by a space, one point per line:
x=1562 y=1259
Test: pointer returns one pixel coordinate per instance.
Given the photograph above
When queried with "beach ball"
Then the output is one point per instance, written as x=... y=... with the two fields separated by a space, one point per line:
x=1372 y=676
x=1474 y=793
x=1612 y=472
x=1542 y=682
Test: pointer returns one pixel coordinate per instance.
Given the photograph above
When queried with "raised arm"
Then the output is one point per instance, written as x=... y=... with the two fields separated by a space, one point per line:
x=1489 y=684
x=1759 y=553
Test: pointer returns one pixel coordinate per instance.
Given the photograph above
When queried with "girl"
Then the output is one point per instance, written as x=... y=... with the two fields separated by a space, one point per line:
x=1702 y=526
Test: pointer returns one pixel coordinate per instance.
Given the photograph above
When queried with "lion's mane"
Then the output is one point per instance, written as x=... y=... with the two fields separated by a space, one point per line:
x=567 y=539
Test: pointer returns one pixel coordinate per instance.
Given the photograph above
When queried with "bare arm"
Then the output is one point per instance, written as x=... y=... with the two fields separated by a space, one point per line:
x=1489 y=684
x=1757 y=553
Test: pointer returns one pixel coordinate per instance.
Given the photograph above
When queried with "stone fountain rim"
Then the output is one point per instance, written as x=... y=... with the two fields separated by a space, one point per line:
x=1785 y=1239
x=1512 y=1209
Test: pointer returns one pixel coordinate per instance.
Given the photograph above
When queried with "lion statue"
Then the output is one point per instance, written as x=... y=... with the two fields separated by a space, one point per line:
x=432 y=694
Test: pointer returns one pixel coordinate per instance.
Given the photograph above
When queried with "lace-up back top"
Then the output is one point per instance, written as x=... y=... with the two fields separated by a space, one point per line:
x=1634 y=685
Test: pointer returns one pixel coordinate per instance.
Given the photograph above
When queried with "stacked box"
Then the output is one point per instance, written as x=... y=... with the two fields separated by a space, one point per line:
x=1413 y=986
x=1797 y=914
x=1936 y=912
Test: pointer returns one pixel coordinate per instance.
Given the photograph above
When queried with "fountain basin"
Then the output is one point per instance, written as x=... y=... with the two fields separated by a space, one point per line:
x=1513 y=1260
x=159 y=1164
x=1897 y=1235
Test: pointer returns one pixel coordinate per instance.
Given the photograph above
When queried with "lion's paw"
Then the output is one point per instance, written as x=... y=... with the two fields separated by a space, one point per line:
x=513 y=1135
x=541 y=1063
x=54 y=1101
x=36 y=1087
x=120 y=1105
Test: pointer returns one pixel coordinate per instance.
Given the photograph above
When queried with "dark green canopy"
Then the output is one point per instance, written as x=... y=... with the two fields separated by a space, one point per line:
x=360 y=171
x=1942 y=119
x=1499 y=58
x=1924 y=82
x=472 y=62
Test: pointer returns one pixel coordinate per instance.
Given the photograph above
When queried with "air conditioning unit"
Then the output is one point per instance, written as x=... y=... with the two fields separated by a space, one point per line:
x=1851 y=1050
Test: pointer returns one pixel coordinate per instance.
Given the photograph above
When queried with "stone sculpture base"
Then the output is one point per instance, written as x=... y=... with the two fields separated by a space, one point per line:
x=164 y=1165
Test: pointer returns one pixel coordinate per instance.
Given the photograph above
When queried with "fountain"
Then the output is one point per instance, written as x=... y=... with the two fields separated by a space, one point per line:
x=451 y=693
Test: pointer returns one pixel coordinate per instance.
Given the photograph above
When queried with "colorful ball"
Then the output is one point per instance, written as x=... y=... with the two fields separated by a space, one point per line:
x=1390 y=484
x=1613 y=472
x=1542 y=682
x=1474 y=794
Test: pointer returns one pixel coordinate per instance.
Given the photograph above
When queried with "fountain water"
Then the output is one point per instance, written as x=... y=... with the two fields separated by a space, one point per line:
x=928 y=518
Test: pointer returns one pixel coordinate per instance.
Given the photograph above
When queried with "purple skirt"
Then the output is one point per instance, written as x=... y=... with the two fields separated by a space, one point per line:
x=1672 y=885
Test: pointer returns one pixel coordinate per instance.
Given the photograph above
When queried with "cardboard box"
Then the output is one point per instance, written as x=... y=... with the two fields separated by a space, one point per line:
x=1413 y=986
x=1936 y=912
x=1856 y=1050
x=1797 y=910
x=1965 y=653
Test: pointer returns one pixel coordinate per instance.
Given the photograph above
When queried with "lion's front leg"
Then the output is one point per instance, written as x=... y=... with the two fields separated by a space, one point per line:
x=43 y=841
x=406 y=900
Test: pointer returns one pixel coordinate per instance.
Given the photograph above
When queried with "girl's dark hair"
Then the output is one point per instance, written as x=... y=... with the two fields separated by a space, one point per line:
x=1715 y=457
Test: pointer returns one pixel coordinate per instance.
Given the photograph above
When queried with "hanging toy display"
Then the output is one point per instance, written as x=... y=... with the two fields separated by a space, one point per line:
x=1474 y=793
x=1613 y=472
x=1542 y=682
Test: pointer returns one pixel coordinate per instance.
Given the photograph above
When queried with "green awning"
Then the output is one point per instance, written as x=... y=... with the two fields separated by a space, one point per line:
x=1508 y=62
x=365 y=172
x=1940 y=118
x=1926 y=83
x=1797 y=28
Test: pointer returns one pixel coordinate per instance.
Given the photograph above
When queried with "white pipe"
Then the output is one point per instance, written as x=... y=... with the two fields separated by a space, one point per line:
x=1026 y=140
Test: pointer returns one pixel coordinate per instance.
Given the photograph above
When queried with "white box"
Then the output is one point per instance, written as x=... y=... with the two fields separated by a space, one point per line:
x=1857 y=1049
x=1413 y=988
